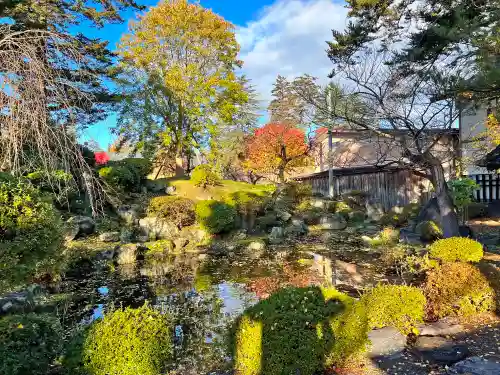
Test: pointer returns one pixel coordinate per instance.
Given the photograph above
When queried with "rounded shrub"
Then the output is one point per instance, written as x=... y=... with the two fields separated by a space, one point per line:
x=126 y=174
x=28 y=344
x=203 y=175
x=429 y=230
x=457 y=289
x=246 y=202
x=177 y=210
x=396 y=306
x=299 y=331
x=455 y=249
x=214 y=216
x=31 y=234
x=128 y=342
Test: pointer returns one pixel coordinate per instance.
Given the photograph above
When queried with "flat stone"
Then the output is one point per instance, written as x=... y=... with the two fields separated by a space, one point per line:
x=333 y=222
x=109 y=237
x=386 y=341
x=256 y=245
x=475 y=366
x=156 y=228
x=7 y=306
x=439 y=350
x=441 y=328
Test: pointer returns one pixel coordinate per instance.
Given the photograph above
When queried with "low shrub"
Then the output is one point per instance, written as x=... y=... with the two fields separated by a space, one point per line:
x=177 y=210
x=355 y=198
x=203 y=175
x=31 y=234
x=387 y=236
x=476 y=210
x=343 y=209
x=357 y=216
x=457 y=289
x=299 y=330
x=28 y=344
x=246 y=203
x=160 y=247
x=396 y=306
x=455 y=249
x=128 y=342
x=126 y=174
x=429 y=231
x=214 y=216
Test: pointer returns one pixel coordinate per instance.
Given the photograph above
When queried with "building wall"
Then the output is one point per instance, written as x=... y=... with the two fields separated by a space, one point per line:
x=472 y=125
x=351 y=149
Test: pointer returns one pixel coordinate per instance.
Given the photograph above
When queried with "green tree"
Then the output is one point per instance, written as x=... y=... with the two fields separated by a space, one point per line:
x=188 y=54
x=462 y=36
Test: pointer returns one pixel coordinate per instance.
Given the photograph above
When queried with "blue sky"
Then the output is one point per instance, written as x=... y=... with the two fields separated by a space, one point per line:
x=284 y=37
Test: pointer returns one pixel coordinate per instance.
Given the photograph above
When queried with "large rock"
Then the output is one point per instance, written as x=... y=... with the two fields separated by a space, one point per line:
x=385 y=342
x=79 y=226
x=129 y=213
x=283 y=215
x=428 y=231
x=296 y=228
x=440 y=350
x=408 y=237
x=109 y=237
x=194 y=234
x=475 y=366
x=440 y=328
x=430 y=212
x=374 y=210
x=128 y=254
x=158 y=229
x=333 y=222
x=276 y=235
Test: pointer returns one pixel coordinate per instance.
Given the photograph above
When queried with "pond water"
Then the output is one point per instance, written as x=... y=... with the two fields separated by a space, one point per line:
x=203 y=293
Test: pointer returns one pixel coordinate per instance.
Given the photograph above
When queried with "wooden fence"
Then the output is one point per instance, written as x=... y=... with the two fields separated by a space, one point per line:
x=390 y=187
x=489 y=186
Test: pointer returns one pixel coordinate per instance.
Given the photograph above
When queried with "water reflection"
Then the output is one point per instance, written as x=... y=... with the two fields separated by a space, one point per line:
x=203 y=294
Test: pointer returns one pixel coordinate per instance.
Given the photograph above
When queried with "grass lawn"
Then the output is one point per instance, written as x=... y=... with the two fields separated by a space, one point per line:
x=185 y=188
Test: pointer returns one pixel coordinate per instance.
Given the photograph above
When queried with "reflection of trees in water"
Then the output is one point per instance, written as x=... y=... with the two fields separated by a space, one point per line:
x=200 y=326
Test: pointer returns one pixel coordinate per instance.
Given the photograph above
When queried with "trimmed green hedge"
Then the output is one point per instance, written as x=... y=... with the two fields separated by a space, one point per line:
x=457 y=289
x=28 y=344
x=299 y=331
x=128 y=342
x=214 y=216
x=203 y=175
x=177 y=210
x=126 y=174
x=396 y=306
x=455 y=249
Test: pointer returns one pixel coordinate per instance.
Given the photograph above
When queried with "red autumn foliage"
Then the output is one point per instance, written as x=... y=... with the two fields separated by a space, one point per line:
x=101 y=157
x=276 y=148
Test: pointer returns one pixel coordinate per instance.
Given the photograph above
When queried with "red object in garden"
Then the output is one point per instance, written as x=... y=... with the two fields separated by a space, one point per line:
x=101 y=157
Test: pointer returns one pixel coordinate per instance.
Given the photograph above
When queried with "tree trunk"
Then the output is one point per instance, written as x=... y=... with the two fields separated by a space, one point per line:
x=449 y=218
x=281 y=174
x=179 y=168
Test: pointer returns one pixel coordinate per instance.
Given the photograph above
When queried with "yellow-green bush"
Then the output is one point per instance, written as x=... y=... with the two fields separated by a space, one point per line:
x=28 y=344
x=299 y=331
x=214 y=216
x=455 y=249
x=126 y=174
x=457 y=289
x=396 y=306
x=343 y=208
x=387 y=236
x=177 y=210
x=31 y=234
x=246 y=202
x=203 y=175
x=128 y=342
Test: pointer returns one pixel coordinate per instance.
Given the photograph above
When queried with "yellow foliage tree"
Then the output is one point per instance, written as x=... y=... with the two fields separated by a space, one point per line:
x=183 y=58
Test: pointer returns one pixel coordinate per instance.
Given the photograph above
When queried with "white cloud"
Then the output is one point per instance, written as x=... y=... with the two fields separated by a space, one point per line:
x=289 y=38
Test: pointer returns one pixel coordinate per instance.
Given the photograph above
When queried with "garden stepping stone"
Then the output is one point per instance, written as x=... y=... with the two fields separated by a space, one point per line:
x=440 y=350
x=386 y=342
x=441 y=328
x=475 y=366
